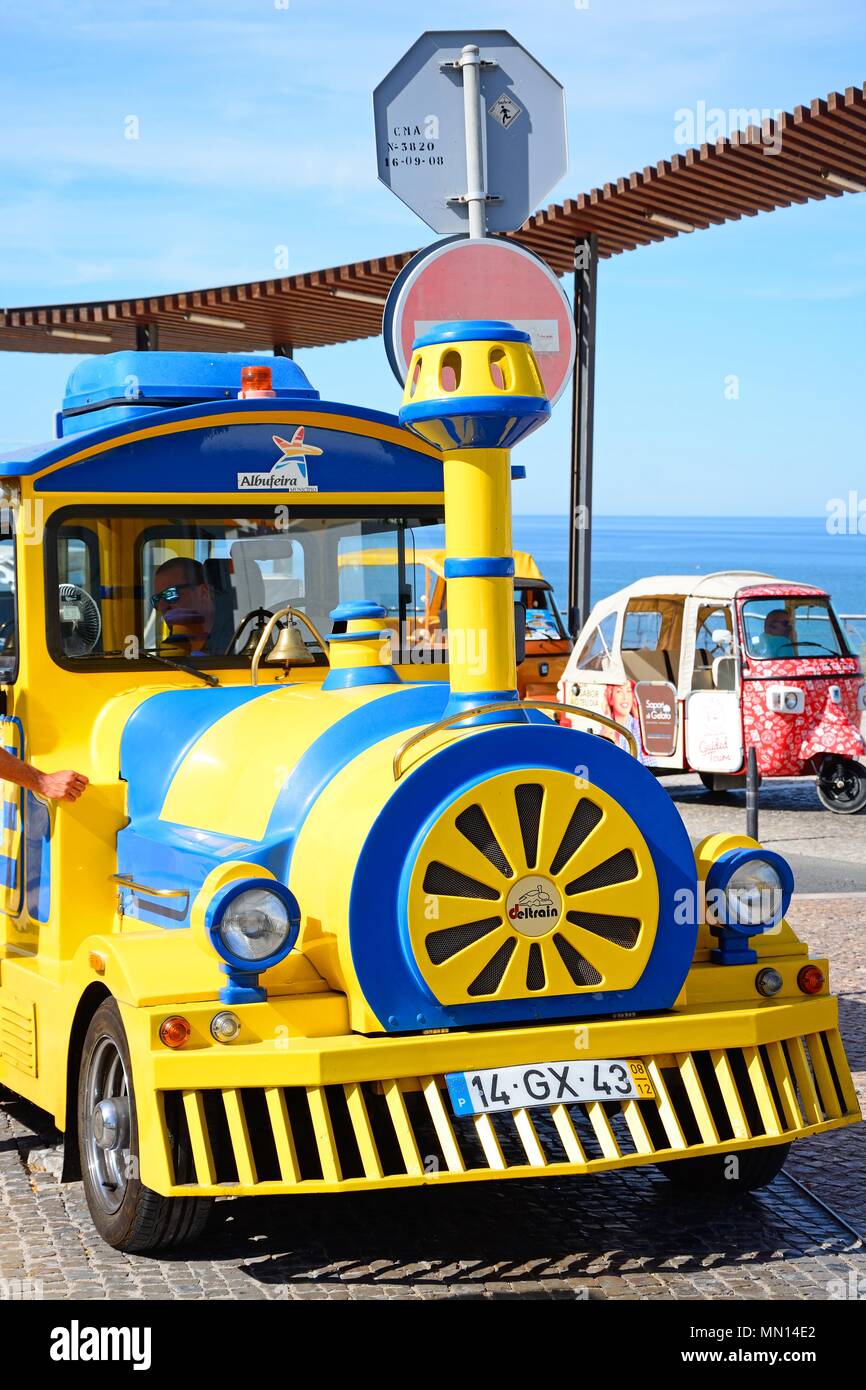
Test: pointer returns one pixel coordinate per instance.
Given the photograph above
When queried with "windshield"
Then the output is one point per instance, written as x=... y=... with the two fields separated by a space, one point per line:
x=200 y=587
x=542 y=615
x=782 y=629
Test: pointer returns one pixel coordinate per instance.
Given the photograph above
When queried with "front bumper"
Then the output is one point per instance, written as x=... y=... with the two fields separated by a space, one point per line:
x=328 y=1114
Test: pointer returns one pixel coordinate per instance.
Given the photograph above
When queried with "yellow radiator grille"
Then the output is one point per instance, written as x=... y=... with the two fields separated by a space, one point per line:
x=397 y=1132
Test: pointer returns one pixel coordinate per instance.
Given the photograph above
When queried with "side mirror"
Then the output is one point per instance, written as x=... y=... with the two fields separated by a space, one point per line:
x=720 y=637
x=519 y=630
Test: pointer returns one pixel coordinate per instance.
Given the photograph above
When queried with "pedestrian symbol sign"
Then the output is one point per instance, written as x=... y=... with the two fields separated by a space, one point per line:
x=505 y=110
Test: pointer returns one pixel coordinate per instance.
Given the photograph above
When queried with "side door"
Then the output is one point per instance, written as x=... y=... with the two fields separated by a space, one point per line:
x=713 y=704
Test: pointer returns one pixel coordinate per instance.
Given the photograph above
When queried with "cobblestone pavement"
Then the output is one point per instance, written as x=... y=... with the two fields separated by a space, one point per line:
x=621 y=1235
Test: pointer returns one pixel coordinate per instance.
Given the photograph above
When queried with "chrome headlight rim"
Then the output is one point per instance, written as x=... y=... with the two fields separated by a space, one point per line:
x=723 y=870
x=219 y=905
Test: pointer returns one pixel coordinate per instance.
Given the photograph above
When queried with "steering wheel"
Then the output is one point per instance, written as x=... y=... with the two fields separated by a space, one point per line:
x=261 y=617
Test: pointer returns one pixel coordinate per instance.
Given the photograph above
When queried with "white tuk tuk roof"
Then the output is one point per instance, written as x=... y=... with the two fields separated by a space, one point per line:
x=715 y=587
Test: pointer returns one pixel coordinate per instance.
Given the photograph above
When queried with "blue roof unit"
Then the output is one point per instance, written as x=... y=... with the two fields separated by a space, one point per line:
x=121 y=386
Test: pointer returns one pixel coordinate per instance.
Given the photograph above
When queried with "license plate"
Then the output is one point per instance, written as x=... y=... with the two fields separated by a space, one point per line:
x=547 y=1083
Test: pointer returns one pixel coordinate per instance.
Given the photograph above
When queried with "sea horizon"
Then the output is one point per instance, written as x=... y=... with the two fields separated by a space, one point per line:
x=630 y=547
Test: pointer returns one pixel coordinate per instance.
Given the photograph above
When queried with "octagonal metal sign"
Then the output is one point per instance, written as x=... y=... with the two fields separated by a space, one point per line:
x=420 y=134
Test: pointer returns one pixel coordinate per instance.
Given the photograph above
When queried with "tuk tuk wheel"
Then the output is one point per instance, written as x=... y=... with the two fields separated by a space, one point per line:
x=841 y=786
x=127 y=1215
x=717 y=1176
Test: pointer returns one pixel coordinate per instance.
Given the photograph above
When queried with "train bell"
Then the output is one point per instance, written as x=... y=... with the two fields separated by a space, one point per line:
x=290 y=648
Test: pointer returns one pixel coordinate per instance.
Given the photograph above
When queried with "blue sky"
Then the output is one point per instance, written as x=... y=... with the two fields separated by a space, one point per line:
x=255 y=131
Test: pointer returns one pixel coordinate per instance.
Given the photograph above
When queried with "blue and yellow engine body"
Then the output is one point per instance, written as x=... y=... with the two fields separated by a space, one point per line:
x=412 y=811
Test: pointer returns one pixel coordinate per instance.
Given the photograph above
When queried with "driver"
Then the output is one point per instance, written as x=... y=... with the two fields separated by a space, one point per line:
x=778 y=634
x=186 y=602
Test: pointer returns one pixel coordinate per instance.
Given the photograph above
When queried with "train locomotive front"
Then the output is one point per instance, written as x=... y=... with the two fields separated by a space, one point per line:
x=377 y=932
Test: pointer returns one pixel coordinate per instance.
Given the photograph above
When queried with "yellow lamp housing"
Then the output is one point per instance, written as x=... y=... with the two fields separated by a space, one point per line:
x=474 y=385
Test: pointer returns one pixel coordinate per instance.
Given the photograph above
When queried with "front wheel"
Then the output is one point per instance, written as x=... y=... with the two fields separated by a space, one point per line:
x=716 y=1175
x=841 y=786
x=126 y=1214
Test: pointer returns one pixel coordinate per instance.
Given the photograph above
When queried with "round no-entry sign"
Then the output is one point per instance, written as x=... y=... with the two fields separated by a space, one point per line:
x=482 y=278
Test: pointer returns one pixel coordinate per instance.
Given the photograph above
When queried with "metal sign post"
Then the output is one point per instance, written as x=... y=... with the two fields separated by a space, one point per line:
x=476 y=193
x=583 y=395
x=471 y=134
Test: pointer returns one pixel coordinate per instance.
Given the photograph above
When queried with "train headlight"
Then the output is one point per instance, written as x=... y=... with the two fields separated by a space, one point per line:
x=253 y=925
x=748 y=892
x=754 y=895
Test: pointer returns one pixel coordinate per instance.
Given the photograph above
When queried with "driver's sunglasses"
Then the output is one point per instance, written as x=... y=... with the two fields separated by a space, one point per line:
x=170 y=594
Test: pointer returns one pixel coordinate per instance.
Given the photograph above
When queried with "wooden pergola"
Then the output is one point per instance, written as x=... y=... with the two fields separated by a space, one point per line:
x=818 y=151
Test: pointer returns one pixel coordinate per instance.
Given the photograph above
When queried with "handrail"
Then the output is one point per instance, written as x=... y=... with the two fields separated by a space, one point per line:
x=269 y=627
x=126 y=881
x=560 y=707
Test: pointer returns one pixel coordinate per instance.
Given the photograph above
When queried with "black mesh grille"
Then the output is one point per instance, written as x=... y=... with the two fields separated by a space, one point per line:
x=452 y=884
x=577 y=965
x=584 y=818
x=491 y=976
x=535 y=978
x=476 y=827
x=618 y=869
x=621 y=931
x=529 y=796
x=442 y=945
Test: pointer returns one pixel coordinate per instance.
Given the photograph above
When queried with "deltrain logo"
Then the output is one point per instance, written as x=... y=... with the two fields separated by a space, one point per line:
x=534 y=905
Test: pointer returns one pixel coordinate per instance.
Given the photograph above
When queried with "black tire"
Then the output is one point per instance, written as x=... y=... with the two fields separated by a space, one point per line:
x=841 y=786
x=709 y=1175
x=127 y=1215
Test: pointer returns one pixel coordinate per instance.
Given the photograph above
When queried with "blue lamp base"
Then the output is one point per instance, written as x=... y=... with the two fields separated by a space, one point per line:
x=243 y=987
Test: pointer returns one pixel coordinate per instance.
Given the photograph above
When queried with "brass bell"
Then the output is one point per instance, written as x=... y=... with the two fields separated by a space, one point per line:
x=248 y=650
x=289 y=648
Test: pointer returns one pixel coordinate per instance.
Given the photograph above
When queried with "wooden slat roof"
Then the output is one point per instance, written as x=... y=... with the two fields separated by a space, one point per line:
x=733 y=178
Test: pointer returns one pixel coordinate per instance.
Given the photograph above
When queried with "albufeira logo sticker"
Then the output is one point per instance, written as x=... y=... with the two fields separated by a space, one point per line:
x=290 y=472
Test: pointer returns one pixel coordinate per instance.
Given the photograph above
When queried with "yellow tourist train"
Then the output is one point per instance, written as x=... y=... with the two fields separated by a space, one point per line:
x=327 y=918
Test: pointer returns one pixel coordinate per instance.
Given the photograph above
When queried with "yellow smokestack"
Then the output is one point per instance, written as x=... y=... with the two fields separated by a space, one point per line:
x=474 y=390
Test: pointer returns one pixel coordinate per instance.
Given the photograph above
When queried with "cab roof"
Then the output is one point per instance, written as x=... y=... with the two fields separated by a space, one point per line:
x=173 y=423
x=719 y=584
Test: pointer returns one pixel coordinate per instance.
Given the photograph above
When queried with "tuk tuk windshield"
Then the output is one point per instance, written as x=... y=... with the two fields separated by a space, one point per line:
x=784 y=629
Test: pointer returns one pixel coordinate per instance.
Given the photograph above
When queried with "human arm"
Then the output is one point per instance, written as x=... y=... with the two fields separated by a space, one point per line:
x=54 y=786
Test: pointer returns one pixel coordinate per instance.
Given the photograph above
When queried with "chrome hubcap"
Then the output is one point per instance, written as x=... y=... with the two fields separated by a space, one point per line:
x=107 y=1125
x=110 y=1122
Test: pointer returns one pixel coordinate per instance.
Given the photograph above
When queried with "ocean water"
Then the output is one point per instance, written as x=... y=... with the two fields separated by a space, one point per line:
x=628 y=548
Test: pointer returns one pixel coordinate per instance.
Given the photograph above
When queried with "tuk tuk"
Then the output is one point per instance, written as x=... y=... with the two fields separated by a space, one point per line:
x=702 y=669
x=546 y=644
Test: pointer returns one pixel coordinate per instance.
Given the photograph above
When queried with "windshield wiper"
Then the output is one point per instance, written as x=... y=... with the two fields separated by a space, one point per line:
x=166 y=661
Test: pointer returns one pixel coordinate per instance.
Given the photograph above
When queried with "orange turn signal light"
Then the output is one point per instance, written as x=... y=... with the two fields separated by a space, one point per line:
x=174 y=1031
x=811 y=979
